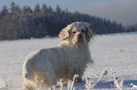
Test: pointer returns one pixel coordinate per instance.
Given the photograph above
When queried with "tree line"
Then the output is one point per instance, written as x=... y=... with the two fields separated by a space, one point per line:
x=131 y=28
x=25 y=23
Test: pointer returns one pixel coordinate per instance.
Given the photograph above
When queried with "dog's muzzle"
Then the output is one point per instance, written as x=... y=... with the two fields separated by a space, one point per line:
x=80 y=38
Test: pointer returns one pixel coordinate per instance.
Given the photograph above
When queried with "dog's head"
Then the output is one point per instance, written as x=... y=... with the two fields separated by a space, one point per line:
x=77 y=33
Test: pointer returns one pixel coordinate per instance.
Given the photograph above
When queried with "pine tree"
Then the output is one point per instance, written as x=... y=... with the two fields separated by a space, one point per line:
x=4 y=12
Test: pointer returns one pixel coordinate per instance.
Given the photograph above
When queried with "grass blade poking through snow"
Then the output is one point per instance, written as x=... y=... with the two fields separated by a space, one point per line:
x=2 y=83
x=61 y=84
x=118 y=84
x=89 y=84
x=70 y=83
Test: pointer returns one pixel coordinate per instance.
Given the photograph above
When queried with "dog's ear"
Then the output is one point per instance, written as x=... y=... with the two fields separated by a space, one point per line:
x=89 y=33
x=64 y=34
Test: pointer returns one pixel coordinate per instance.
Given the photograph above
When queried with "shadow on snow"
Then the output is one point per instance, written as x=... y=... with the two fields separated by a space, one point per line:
x=108 y=84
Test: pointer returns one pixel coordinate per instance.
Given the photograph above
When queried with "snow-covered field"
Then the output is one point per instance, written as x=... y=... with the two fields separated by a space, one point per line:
x=116 y=53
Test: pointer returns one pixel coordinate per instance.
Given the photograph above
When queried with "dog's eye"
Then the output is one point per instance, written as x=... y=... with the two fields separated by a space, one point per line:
x=74 y=32
x=83 y=31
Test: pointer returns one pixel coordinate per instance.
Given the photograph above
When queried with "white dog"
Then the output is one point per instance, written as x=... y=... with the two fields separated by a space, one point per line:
x=47 y=66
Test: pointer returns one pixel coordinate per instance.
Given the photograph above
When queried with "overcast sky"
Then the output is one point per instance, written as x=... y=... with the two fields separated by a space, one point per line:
x=124 y=11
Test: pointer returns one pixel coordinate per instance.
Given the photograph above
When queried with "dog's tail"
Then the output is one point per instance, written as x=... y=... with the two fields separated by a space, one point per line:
x=27 y=71
x=28 y=74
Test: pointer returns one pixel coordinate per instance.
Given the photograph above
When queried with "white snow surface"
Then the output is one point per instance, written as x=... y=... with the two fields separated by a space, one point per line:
x=116 y=53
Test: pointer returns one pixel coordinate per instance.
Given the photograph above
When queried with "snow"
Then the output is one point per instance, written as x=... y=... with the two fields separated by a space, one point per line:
x=116 y=53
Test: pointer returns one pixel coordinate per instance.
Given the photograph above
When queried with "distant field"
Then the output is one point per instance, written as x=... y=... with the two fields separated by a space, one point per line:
x=116 y=53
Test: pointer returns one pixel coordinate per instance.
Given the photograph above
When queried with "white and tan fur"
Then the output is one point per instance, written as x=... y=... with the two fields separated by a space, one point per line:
x=47 y=66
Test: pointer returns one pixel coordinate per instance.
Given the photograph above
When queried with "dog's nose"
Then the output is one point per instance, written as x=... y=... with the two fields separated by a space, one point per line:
x=80 y=35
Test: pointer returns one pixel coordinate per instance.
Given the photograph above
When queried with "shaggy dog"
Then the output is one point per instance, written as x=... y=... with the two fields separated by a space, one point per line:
x=47 y=66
